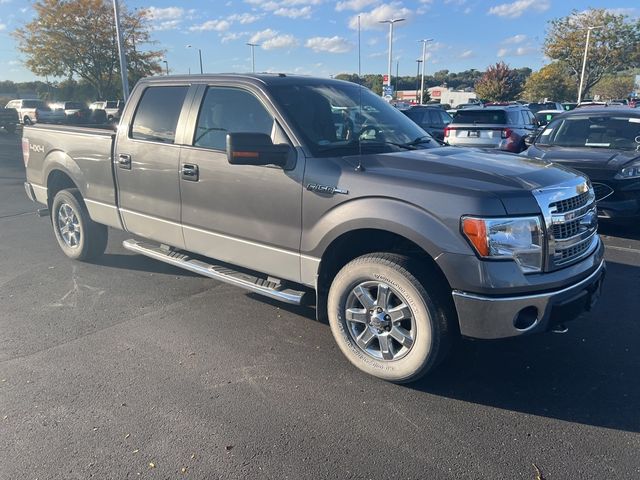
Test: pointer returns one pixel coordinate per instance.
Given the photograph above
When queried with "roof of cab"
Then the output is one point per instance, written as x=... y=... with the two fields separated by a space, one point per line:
x=258 y=78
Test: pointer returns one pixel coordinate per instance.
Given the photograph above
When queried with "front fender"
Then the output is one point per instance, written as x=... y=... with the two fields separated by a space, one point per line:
x=434 y=235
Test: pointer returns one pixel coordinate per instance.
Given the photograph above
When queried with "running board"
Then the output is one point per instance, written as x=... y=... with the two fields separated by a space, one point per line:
x=269 y=287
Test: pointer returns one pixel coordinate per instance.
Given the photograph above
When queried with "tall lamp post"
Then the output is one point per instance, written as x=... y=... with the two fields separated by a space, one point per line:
x=121 y=51
x=253 y=56
x=419 y=61
x=199 y=56
x=584 y=60
x=424 y=60
x=391 y=22
x=166 y=64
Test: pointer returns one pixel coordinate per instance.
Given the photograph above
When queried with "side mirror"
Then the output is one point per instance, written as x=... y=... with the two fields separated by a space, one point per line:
x=255 y=149
x=529 y=139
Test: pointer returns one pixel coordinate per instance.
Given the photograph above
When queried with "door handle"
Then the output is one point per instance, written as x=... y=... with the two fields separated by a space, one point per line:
x=124 y=161
x=190 y=172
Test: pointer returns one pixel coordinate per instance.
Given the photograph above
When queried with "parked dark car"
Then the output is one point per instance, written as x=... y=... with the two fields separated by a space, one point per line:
x=603 y=143
x=8 y=119
x=568 y=106
x=504 y=128
x=74 y=112
x=432 y=118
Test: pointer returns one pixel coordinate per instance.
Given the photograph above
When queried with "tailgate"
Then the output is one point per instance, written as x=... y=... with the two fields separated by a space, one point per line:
x=489 y=133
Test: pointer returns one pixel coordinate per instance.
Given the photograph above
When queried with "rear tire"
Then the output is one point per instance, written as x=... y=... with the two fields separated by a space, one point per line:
x=386 y=321
x=79 y=237
x=27 y=121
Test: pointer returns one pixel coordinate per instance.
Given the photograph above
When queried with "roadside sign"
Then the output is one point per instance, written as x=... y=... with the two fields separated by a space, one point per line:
x=385 y=78
x=387 y=90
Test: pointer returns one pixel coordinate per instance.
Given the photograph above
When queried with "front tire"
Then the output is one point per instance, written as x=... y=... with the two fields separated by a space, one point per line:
x=79 y=237
x=384 y=319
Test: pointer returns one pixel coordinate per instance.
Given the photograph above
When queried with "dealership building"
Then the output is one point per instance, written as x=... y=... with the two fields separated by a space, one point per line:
x=444 y=94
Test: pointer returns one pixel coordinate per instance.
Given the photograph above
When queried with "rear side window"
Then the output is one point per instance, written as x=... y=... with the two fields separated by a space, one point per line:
x=32 y=104
x=229 y=110
x=157 y=115
x=480 y=117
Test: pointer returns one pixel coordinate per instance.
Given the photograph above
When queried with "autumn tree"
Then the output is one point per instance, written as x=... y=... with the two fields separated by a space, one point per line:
x=613 y=46
x=77 y=39
x=552 y=82
x=614 y=87
x=499 y=83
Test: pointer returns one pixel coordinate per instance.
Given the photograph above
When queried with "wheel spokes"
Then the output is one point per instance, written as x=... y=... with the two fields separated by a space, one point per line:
x=364 y=297
x=365 y=338
x=385 y=347
x=384 y=293
x=401 y=312
x=402 y=336
x=358 y=315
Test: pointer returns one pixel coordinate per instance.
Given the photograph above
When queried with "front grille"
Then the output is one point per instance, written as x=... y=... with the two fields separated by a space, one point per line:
x=566 y=230
x=573 y=252
x=569 y=204
x=602 y=191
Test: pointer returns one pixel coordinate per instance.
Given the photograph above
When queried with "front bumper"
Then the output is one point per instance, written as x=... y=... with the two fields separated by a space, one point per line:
x=488 y=317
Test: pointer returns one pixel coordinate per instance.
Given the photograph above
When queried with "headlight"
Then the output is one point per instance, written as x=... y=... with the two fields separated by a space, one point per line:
x=632 y=171
x=519 y=239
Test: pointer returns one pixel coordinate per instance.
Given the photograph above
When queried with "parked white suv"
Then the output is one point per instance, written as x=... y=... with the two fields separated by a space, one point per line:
x=32 y=111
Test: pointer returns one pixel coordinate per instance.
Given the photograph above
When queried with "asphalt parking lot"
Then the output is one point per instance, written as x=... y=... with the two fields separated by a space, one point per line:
x=129 y=368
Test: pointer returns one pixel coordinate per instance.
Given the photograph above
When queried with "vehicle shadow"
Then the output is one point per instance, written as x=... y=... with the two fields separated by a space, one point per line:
x=141 y=263
x=589 y=375
x=629 y=229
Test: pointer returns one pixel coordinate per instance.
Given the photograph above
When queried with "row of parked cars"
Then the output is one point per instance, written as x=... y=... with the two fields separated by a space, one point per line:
x=601 y=140
x=32 y=111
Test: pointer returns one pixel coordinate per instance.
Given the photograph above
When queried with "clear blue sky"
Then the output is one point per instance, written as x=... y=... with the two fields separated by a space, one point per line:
x=320 y=37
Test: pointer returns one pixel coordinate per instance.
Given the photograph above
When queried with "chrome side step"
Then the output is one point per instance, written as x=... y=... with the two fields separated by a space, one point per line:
x=268 y=287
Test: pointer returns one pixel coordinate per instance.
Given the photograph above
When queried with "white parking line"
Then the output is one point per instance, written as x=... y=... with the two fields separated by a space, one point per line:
x=622 y=249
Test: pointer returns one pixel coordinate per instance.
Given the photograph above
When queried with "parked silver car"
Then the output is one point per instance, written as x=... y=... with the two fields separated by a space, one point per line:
x=32 y=111
x=501 y=127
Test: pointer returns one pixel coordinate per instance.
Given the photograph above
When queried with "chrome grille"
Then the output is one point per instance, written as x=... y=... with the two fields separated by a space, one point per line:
x=569 y=204
x=571 y=222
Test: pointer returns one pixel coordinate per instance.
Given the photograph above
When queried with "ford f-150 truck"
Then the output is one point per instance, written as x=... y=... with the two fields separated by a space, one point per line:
x=312 y=190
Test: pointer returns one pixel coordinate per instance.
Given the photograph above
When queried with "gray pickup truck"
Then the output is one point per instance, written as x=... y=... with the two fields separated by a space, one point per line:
x=317 y=191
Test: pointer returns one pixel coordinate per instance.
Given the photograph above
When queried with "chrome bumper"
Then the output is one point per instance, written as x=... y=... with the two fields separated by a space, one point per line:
x=488 y=317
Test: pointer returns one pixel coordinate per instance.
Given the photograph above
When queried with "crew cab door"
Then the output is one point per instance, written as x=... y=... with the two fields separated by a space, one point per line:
x=147 y=159
x=242 y=214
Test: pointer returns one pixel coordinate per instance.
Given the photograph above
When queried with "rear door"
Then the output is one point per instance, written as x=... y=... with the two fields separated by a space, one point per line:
x=477 y=127
x=242 y=214
x=147 y=160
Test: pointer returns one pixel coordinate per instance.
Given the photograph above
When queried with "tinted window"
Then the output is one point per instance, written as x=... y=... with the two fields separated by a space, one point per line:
x=433 y=118
x=157 y=115
x=227 y=110
x=480 y=116
x=445 y=117
x=74 y=105
x=32 y=104
x=417 y=115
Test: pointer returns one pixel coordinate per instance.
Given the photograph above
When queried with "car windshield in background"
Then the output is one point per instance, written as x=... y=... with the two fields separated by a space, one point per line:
x=480 y=117
x=545 y=117
x=341 y=120
x=74 y=105
x=594 y=131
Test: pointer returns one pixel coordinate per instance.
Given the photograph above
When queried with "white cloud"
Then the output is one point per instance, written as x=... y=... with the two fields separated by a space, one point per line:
x=231 y=36
x=2 y=27
x=329 y=44
x=244 y=18
x=466 y=54
x=304 y=12
x=631 y=11
x=370 y=20
x=503 y=52
x=354 y=4
x=263 y=35
x=217 y=25
x=516 y=9
x=167 y=18
x=281 y=41
x=515 y=39
x=517 y=52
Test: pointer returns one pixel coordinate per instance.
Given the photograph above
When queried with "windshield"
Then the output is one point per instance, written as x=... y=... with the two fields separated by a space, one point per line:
x=545 y=117
x=335 y=119
x=619 y=132
x=73 y=105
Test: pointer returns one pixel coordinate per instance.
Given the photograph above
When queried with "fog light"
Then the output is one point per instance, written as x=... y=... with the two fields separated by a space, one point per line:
x=526 y=318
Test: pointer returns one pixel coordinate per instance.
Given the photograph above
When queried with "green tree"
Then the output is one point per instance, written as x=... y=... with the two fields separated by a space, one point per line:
x=614 y=86
x=77 y=38
x=613 y=46
x=499 y=83
x=551 y=82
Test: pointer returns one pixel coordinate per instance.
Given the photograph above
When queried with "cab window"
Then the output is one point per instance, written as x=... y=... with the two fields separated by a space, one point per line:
x=229 y=110
x=156 y=117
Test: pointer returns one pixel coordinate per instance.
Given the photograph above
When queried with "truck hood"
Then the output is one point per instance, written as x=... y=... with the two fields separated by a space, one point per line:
x=590 y=158
x=470 y=168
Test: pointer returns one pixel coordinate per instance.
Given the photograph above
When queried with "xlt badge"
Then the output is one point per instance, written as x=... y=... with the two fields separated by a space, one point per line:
x=315 y=187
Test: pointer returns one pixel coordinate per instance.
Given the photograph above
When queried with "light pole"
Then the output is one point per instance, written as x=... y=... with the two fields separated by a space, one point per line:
x=424 y=60
x=199 y=56
x=584 y=61
x=253 y=56
x=121 y=51
x=166 y=64
x=391 y=22
x=419 y=61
